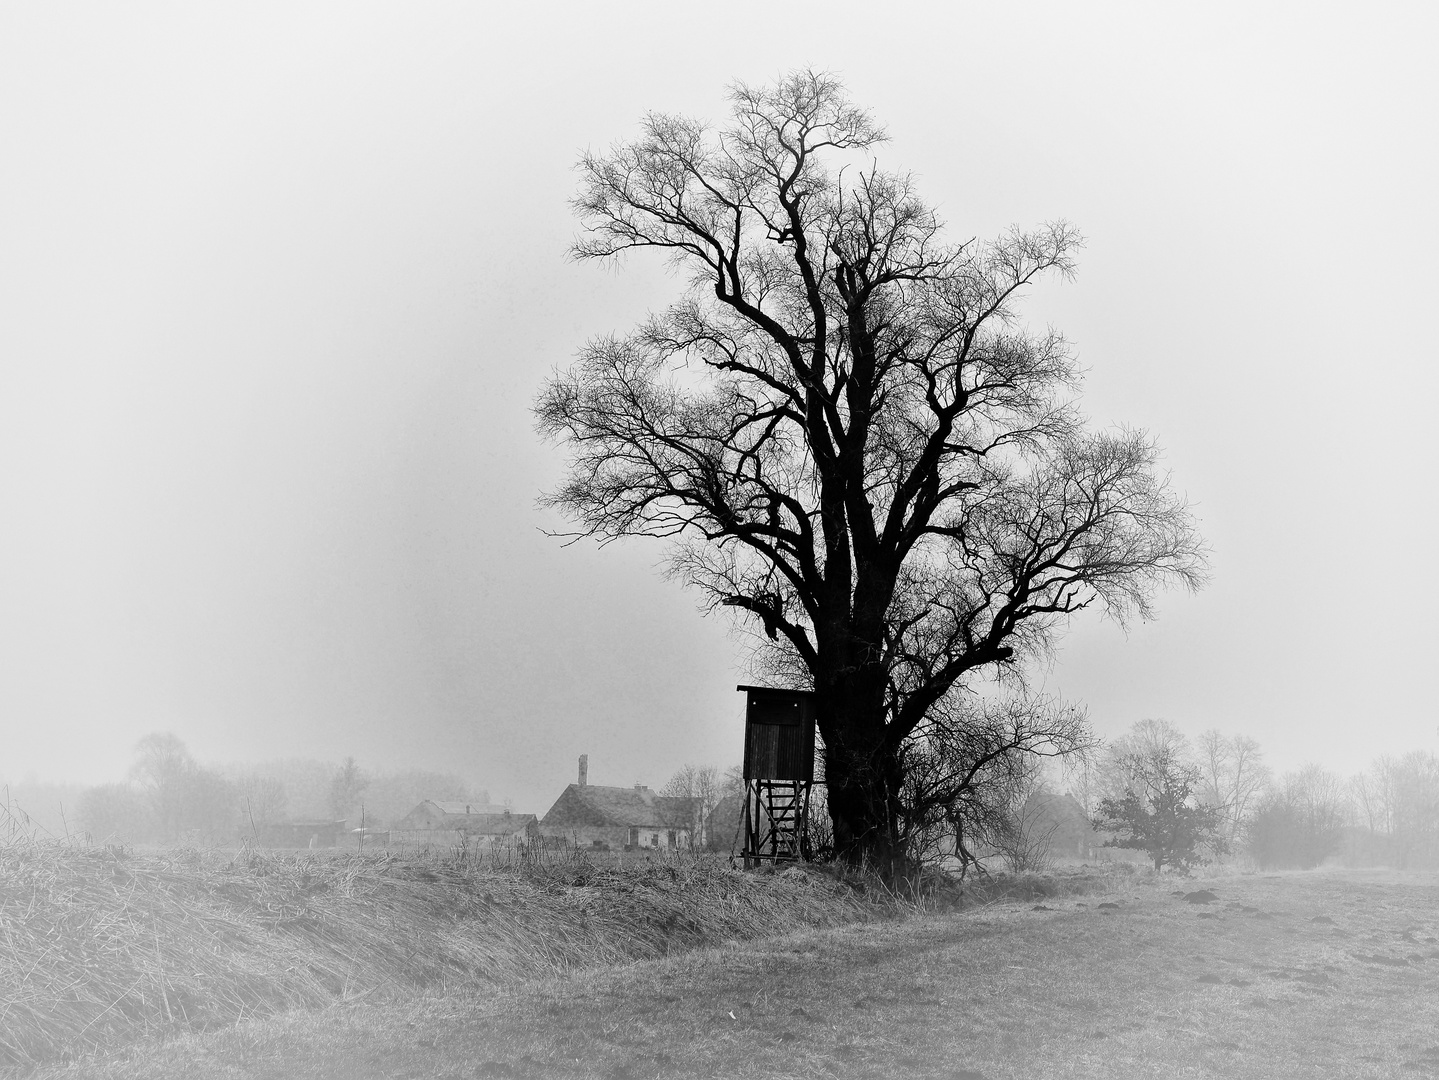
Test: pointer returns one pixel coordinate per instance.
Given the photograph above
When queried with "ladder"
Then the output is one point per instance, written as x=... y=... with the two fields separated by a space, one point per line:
x=776 y=820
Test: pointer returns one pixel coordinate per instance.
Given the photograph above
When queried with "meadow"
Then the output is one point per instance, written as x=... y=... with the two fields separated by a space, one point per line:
x=1113 y=975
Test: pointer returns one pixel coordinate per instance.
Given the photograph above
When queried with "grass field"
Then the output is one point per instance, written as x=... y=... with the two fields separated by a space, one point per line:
x=1325 y=974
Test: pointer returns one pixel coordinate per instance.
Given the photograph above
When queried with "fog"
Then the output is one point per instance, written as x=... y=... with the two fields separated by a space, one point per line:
x=278 y=285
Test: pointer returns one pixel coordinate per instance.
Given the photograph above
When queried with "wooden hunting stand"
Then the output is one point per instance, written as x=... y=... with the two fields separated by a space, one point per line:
x=778 y=773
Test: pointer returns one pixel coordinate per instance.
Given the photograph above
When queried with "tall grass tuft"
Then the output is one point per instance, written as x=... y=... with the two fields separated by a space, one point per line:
x=100 y=946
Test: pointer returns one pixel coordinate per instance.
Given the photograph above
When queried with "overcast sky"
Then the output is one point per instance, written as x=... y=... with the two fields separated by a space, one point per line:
x=278 y=284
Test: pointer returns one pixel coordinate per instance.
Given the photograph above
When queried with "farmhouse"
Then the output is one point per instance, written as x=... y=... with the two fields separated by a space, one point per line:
x=590 y=815
x=450 y=823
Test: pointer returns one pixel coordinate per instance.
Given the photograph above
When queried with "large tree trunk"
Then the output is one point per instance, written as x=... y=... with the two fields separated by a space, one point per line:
x=863 y=812
x=862 y=775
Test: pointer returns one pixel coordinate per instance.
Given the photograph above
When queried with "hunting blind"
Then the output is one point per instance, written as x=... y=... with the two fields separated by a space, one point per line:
x=778 y=773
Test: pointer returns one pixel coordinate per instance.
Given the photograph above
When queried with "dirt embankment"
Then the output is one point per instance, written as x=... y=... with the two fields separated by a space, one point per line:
x=99 y=949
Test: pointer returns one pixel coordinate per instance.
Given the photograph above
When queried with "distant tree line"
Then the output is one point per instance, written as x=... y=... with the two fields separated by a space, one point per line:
x=1182 y=802
x=983 y=793
x=170 y=798
x=986 y=796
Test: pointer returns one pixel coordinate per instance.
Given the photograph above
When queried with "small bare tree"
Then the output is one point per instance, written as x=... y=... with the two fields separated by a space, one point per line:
x=970 y=776
x=1023 y=830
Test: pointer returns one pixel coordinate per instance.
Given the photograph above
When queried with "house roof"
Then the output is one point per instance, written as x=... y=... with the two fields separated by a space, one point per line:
x=1063 y=811
x=468 y=817
x=465 y=809
x=1063 y=804
x=593 y=804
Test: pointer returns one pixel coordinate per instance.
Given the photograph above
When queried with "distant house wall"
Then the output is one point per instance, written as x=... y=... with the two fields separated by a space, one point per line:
x=610 y=836
x=643 y=837
x=659 y=838
x=617 y=837
x=448 y=825
x=455 y=838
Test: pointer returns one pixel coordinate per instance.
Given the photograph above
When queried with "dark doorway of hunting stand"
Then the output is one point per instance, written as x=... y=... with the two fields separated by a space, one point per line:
x=778 y=773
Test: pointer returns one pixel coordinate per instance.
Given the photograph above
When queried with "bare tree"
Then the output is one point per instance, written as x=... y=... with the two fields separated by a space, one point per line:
x=970 y=770
x=1233 y=777
x=1021 y=826
x=1299 y=821
x=162 y=768
x=1027 y=839
x=1375 y=793
x=699 y=787
x=1415 y=810
x=181 y=796
x=844 y=432
x=1080 y=773
x=1142 y=760
x=347 y=788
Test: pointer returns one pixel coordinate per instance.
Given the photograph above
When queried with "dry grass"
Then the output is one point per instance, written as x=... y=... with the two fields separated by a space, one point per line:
x=99 y=948
x=1300 y=975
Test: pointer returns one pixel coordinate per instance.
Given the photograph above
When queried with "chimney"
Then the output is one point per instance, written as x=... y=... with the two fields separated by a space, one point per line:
x=584 y=769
